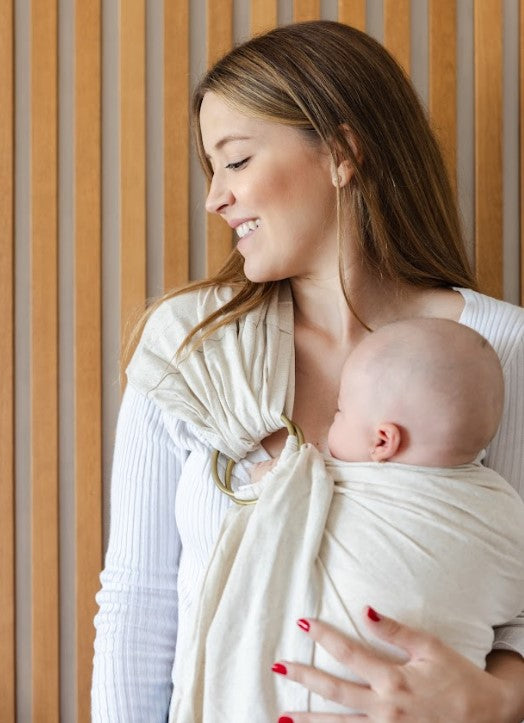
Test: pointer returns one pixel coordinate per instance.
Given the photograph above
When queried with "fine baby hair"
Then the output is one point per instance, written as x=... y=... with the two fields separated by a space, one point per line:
x=422 y=391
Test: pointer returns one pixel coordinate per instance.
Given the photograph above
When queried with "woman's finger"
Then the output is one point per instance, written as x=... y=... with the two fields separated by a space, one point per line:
x=418 y=645
x=370 y=665
x=352 y=695
x=322 y=718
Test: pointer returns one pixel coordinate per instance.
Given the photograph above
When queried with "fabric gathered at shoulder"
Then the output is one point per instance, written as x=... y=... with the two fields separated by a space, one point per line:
x=235 y=385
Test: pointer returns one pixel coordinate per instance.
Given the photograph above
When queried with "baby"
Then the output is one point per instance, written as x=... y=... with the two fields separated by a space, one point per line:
x=402 y=517
x=423 y=392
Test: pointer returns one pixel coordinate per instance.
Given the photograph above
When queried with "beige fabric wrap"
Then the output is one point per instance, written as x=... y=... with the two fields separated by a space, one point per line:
x=437 y=550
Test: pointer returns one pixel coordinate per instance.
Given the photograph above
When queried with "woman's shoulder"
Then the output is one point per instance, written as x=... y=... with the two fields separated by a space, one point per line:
x=167 y=327
x=177 y=316
x=182 y=312
x=500 y=322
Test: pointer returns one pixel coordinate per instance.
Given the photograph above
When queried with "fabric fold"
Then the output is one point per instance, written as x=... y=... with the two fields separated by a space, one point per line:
x=324 y=540
x=236 y=384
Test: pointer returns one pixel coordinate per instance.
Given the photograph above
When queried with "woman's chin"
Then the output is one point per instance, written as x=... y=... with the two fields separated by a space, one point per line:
x=260 y=276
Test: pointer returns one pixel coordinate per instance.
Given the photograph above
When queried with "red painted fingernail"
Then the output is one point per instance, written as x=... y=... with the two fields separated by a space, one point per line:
x=304 y=624
x=373 y=615
x=279 y=668
x=285 y=719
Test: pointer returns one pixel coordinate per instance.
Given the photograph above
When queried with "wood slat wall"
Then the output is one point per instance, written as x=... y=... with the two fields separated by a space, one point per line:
x=44 y=360
x=87 y=339
x=352 y=12
x=176 y=143
x=172 y=256
x=263 y=15
x=306 y=10
x=443 y=79
x=219 y=33
x=397 y=30
x=7 y=338
x=488 y=146
x=132 y=161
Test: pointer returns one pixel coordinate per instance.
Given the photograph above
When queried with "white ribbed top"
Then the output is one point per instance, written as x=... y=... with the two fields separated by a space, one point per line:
x=163 y=501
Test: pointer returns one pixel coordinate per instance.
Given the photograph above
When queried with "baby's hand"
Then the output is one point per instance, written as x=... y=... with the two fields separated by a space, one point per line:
x=261 y=468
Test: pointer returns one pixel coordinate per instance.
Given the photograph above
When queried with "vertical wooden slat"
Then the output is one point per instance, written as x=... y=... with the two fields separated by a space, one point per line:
x=44 y=362
x=263 y=15
x=521 y=144
x=488 y=146
x=219 y=238
x=176 y=143
x=352 y=12
x=88 y=332
x=443 y=79
x=306 y=10
x=7 y=486
x=132 y=160
x=397 y=30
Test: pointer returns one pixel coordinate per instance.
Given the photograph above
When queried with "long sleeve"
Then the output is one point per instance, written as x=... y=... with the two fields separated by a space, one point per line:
x=136 y=626
x=506 y=455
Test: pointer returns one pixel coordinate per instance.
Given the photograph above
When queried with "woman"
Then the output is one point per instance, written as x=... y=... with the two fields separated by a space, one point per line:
x=321 y=159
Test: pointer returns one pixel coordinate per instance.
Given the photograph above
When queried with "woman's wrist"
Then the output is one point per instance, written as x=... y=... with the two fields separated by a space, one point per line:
x=508 y=668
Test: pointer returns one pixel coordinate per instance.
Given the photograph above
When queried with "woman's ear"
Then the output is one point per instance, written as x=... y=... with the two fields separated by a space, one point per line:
x=343 y=172
x=385 y=442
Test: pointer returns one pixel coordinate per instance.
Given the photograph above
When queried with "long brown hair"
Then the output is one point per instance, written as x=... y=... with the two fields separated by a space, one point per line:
x=339 y=86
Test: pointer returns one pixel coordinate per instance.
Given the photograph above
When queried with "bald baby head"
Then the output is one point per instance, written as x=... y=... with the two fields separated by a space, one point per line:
x=420 y=391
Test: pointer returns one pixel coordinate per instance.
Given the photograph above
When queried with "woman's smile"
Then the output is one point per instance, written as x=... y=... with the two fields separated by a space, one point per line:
x=274 y=186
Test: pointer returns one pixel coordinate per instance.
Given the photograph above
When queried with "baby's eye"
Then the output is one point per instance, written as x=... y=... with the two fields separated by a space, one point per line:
x=236 y=166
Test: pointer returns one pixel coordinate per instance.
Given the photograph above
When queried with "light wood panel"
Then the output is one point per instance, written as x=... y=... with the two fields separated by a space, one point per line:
x=397 y=30
x=88 y=338
x=488 y=146
x=306 y=10
x=521 y=142
x=7 y=486
x=219 y=238
x=263 y=15
x=132 y=161
x=443 y=79
x=176 y=143
x=44 y=362
x=352 y=12
x=40 y=440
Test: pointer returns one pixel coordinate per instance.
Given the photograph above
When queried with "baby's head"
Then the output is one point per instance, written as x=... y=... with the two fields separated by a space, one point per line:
x=421 y=391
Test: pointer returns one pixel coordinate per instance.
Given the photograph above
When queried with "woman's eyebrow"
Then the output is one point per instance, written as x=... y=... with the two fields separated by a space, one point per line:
x=227 y=139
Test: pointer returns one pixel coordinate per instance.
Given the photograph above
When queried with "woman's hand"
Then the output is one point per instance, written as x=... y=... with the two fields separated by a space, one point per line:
x=260 y=469
x=436 y=684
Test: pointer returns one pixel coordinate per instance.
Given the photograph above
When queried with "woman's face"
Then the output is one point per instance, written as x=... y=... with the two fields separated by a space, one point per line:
x=275 y=188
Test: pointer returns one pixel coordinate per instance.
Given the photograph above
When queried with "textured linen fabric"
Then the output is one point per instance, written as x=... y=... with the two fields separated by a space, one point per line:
x=236 y=384
x=421 y=544
x=166 y=515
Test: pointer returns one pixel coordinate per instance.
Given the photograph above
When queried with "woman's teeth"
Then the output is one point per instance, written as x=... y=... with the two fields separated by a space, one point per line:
x=246 y=227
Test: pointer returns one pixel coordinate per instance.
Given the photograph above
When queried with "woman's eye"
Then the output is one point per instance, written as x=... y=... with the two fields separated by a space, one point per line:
x=237 y=165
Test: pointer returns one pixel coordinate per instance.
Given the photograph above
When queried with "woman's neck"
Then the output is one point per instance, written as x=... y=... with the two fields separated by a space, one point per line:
x=320 y=305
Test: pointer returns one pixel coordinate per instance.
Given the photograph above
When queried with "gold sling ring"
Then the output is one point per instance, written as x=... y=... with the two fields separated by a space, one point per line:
x=225 y=486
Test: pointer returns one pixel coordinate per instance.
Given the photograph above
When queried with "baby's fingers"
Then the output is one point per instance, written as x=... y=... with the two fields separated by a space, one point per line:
x=352 y=695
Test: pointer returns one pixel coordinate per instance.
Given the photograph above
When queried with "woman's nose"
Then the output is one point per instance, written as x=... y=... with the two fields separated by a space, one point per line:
x=219 y=196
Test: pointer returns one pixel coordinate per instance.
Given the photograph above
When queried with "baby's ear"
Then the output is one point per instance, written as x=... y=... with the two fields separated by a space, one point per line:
x=386 y=442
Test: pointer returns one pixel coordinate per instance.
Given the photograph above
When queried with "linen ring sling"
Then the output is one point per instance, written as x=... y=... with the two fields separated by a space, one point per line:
x=320 y=538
